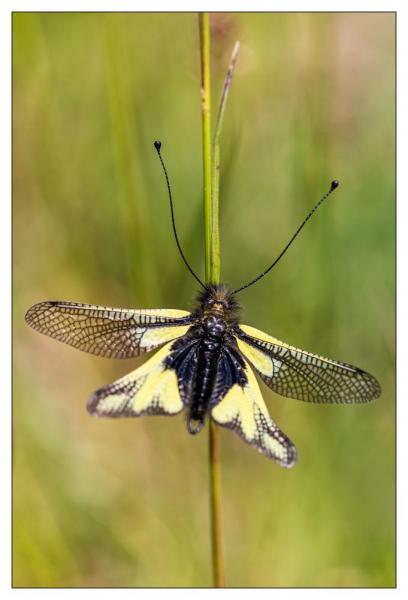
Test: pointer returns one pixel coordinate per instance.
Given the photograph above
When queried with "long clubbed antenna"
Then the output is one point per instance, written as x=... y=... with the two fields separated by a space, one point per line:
x=334 y=185
x=157 y=145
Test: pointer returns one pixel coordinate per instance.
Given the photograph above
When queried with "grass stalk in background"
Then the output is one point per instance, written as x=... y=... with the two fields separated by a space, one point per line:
x=211 y=178
x=215 y=163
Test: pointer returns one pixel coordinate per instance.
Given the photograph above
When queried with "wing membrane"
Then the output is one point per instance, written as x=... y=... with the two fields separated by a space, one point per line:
x=243 y=410
x=106 y=331
x=152 y=389
x=295 y=373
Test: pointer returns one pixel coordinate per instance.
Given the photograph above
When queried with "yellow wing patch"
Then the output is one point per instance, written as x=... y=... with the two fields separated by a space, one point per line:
x=149 y=390
x=264 y=337
x=152 y=338
x=261 y=361
x=243 y=410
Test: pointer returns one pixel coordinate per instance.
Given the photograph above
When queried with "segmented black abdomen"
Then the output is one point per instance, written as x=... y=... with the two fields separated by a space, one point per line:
x=208 y=354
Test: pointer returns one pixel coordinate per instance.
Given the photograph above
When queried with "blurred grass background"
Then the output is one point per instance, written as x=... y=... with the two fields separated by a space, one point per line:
x=124 y=502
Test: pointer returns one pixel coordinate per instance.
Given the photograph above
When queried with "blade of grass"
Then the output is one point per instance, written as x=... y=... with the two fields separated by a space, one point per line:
x=212 y=274
x=215 y=163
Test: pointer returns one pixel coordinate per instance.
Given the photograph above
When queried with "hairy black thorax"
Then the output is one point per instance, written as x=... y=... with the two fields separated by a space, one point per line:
x=218 y=299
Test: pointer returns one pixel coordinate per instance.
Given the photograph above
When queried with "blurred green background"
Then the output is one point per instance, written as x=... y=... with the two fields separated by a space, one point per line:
x=125 y=502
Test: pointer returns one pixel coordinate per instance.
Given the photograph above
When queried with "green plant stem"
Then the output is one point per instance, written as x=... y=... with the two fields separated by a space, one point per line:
x=212 y=262
x=212 y=271
x=215 y=503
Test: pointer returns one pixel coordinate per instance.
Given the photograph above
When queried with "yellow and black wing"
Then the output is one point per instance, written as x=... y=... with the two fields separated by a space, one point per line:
x=152 y=389
x=295 y=373
x=243 y=410
x=106 y=331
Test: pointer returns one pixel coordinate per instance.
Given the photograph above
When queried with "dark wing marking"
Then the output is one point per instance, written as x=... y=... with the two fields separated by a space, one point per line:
x=152 y=389
x=231 y=370
x=183 y=359
x=105 y=331
x=243 y=410
x=295 y=373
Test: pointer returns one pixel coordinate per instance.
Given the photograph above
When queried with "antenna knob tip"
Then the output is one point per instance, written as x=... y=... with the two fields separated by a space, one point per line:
x=334 y=184
x=157 y=145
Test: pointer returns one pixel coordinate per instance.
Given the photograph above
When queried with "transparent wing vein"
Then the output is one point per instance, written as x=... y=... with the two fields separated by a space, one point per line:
x=295 y=373
x=106 y=331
